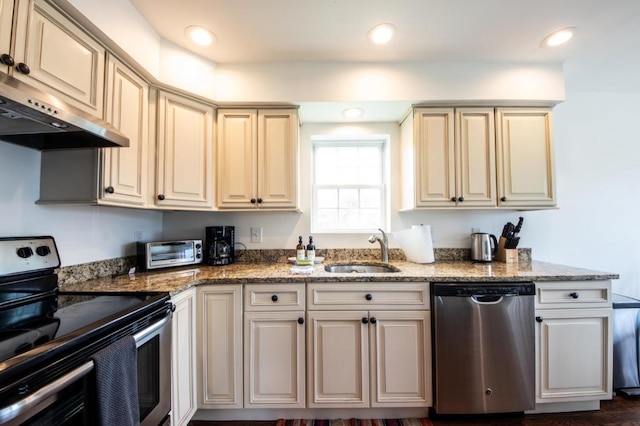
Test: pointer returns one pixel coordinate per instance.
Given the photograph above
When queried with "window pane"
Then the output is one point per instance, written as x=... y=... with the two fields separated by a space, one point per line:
x=327 y=198
x=348 y=198
x=370 y=198
x=349 y=218
x=327 y=218
x=370 y=218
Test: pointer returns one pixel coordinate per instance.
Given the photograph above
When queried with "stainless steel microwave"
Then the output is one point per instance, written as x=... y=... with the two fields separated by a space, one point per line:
x=165 y=254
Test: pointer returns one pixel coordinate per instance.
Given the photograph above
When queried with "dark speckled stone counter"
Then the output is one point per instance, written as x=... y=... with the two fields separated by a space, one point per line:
x=177 y=280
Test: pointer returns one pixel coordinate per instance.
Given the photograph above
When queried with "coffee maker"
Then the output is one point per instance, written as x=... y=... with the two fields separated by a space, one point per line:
x=219 y=242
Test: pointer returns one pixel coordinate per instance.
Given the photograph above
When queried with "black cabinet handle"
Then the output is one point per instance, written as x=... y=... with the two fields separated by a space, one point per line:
x=373 y=320
x=7 y=59
x=539 y=319
x=365 y=320
x=160 y=197
x=574 y=295
x=274 y=298
x=253 y=201
x=259 y=200
x=503 y=199
x=300 y=320
x=461 y=199
x=23 y=68
x=110 y=190
x=368 y=296
x=453 y=199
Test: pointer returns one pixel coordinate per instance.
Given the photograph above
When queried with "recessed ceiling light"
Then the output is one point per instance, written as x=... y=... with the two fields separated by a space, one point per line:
x=558 y=37
x=200 y=35
x=381 y=34
x=352 y=113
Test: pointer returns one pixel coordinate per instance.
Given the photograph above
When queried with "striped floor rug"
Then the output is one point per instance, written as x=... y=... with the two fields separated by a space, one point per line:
x=356 y=422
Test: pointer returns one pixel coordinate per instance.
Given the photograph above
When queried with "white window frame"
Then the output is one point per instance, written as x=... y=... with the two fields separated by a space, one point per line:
x=381 y=141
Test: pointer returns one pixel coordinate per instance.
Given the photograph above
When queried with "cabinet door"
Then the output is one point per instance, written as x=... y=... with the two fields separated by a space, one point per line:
x=237 y=159
x=573 y=355
x=277 y=159
x=475 y=153
x=274 y=360
x=220 y=333
x=6 y=16
x=524 y=140
x=125 y=169
x=434 y=156
x=338 y=363
x=63 y=60
x=183 y=359
x=185 y=152
x=400 y=358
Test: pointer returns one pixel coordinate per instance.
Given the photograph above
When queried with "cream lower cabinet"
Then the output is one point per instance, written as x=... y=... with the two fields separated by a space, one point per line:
x=274 y=346
x=6 y=17
x=220 y=346
x=55 y=55
x=573 y=341
x=525 y=159
x=185 y=156
x=368 y=358
x=448 y=158
x=257 y=154
x=183 y=358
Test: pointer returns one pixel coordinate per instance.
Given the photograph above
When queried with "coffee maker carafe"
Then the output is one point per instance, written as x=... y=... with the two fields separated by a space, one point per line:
x=219 y=243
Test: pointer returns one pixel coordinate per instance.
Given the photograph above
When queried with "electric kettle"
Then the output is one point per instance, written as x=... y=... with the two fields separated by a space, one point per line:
x=483 y=246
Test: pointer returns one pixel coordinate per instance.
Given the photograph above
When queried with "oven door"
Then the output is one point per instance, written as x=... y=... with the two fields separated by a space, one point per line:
x=69 y=399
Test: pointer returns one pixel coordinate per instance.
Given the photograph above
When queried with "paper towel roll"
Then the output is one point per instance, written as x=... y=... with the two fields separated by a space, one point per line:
x=416 y=243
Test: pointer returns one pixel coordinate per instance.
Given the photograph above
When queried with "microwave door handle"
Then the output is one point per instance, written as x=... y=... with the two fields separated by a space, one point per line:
x=30 y=402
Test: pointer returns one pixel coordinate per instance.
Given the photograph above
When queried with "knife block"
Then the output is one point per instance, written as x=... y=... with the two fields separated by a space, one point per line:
x=505 y=255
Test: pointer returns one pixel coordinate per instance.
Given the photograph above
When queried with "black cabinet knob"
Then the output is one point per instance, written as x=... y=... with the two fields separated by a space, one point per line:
x=368 y=296
x=7 y=59
x=110 y=190
x=160 y=197
x=259 y=200
x=461 y=199
x=453 y=199
x=23 y=68
x=365 y=320
x=538 y=319
x=253 y=201
x=574 y=295
x=503 y=199
x=373 y=320
x=300 y=320
x=274 y=298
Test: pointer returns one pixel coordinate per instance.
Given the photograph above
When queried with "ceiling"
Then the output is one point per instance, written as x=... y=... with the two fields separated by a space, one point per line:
x=255 y=31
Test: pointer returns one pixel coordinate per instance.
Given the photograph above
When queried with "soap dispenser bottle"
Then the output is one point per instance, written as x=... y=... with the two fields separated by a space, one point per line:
x=311 y=250
x=300 y=253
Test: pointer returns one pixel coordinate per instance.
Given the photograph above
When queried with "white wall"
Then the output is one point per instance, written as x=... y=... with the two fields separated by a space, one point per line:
x=82 y=233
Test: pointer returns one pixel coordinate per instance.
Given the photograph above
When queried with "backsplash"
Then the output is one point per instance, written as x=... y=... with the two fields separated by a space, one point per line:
x=88 y=271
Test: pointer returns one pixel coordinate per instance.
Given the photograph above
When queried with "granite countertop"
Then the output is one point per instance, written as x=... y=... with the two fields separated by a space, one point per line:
x=177 y=280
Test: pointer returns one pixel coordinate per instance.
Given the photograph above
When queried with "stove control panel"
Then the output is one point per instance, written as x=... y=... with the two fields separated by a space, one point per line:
x=27 y=254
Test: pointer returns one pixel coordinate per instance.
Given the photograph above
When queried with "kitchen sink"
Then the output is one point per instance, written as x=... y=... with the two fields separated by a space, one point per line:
x=362 y=268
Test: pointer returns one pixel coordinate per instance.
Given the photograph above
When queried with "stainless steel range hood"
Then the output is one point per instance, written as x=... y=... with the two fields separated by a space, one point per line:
x=35 y=119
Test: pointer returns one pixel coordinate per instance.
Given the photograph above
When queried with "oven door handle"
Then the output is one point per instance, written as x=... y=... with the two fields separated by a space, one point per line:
x=143 y=336
x=18 y=408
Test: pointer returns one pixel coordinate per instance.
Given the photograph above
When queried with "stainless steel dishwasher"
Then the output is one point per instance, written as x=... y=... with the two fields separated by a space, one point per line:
x=484 y=347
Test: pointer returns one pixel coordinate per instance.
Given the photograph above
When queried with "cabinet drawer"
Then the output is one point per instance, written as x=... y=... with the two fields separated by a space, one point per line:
x=274 y=297
x=396 y=296
x=573 y=294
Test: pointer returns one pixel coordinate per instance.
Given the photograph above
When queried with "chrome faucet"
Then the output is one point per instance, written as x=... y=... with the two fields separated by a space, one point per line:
x=384 y=245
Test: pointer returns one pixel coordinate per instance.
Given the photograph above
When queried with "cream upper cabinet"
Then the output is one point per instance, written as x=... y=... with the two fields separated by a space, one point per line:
x=573 y=342
x=525 y=158
x=185 y=155
x=6 y=17
x=183 y=358
x=125 y=169
x=257 y=159
x=220 y=346
x=449 y=158
x=53 y=54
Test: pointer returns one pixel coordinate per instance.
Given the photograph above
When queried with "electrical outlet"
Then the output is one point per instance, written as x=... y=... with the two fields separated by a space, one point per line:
x=137 y=236
x=256 y=235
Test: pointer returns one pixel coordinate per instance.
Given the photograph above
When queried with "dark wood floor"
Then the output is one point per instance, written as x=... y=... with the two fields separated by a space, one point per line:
x=621 y=411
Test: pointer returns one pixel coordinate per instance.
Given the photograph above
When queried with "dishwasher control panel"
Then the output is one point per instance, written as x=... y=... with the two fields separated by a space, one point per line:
x=471 y=289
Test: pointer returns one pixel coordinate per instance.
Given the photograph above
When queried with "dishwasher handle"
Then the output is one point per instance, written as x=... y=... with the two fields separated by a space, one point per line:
x=489 y=299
